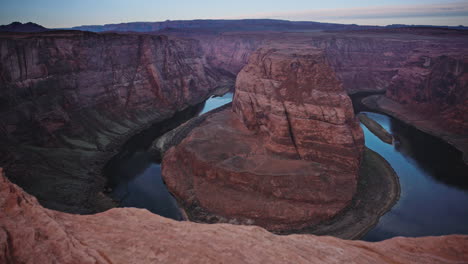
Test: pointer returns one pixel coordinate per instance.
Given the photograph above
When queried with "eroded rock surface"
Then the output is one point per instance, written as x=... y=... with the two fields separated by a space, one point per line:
x=69 y=99
x=437 y=86
x=293 y=97
x=287 y=157
x=423 y=74
x=30 y=233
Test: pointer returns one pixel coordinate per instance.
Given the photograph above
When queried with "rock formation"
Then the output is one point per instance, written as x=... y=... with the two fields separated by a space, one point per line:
x=30 y=233
x=435 y=85
x=49 y=76
x=286 y=159
x=423 y=74
x=294 y=97
x=69 y=99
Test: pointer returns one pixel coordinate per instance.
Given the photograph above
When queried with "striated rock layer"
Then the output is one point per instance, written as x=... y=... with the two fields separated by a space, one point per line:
x=424 y=75
x=293 y=97
x=30 y=233
x=435 y=87
x=286 y=158
x=69 y=99
x=46 y=78
x=417 y=66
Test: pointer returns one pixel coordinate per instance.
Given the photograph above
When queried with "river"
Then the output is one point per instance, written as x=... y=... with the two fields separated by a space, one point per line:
x=135 y=176
x=433 y=180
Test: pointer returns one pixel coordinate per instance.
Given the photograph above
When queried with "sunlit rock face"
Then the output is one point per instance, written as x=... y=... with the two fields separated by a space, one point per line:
x=286 y=156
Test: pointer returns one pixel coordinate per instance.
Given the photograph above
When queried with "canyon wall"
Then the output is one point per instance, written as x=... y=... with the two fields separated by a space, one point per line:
x=416 y=67
x=69 y=100
x=363 y=60
x=47 y=78
x=286 y=158
x=435 y=85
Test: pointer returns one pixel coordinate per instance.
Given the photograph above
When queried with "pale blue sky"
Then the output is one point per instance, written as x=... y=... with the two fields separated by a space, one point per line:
x=67 y=13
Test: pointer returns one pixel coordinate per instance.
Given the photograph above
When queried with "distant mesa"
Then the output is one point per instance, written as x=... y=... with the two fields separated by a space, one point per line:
x=224 y=25
x=20 y=27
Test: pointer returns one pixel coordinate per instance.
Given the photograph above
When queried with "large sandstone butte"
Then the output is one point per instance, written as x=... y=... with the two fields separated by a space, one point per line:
x=30 y=233
x=287 y=157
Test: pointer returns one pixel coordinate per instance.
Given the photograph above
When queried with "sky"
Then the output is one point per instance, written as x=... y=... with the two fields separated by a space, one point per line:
x=68 y=13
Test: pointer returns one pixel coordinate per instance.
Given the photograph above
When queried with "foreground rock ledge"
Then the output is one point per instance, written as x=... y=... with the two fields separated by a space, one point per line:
x=286 y=157
x=30 y=233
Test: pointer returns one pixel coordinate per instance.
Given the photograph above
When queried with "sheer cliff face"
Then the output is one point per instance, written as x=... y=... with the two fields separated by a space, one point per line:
x=435 y=85
x=47 y=78
x=362 y=63
x=254 y=165
x=415 y=66
x=293 y=97
x=68 y=101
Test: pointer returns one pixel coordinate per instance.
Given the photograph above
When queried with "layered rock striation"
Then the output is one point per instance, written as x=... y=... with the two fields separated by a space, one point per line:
x=69 y=99
x=293 y=97
x=422 y=74
x=435 y=86
x=30 y=233
x=48 y=77
x=286 y=157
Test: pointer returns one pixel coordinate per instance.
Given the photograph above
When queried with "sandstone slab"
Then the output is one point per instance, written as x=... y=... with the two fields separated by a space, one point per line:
x=30 y=233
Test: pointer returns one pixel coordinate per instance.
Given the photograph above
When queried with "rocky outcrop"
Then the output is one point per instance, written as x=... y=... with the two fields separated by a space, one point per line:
x=30 y=233
x=69 y=100
x=286 y=159
x=293 y=97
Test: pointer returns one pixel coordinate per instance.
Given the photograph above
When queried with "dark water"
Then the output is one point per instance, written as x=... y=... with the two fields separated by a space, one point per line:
x=135 y=176
x=433 y=179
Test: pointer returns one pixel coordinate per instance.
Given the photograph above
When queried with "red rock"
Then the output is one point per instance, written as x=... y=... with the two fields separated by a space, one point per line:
x=69 y=99
x=417 y=67
x=435 y=87
x=30 y=233
x=293 y=97
x=57 y=74
x=287 y=158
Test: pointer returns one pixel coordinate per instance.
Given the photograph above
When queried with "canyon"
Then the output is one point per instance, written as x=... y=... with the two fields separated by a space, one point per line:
x=423 y=76
x=69 y=100
x=285 y=157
